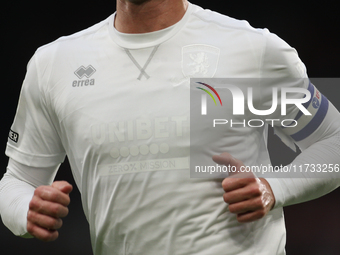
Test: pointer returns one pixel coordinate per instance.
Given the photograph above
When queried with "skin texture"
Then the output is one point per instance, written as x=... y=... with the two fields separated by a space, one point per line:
x=249 y=197
x=144 y=16
x=47 y=207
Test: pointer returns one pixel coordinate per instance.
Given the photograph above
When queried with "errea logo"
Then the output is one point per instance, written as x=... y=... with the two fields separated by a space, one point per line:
x=82 y=72
x=14 y=136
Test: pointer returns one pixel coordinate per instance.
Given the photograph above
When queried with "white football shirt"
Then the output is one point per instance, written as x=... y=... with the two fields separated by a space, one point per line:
x=118 y=106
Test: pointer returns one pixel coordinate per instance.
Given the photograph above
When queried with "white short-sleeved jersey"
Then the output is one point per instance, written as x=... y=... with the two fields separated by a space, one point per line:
x=117 y=105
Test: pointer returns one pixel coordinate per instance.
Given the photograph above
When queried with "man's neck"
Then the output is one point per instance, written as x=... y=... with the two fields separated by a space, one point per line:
x=148 y=16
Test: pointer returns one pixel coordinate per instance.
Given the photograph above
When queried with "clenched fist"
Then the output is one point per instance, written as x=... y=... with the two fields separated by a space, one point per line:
x=47 y=207
x=249 y=197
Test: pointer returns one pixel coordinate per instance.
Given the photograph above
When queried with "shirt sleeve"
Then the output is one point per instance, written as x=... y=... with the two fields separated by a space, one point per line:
x=33 y=138
x=16 y=191
x=317 y=134
x=321 y=148
x=284 y=82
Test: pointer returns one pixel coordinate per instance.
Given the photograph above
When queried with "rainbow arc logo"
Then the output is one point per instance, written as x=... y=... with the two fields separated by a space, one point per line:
x=204 y=97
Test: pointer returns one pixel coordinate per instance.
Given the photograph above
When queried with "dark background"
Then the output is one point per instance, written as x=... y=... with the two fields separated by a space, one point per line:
x=312 y=27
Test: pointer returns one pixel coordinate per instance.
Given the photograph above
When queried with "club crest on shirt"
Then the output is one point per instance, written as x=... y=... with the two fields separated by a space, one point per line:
x=199 y=60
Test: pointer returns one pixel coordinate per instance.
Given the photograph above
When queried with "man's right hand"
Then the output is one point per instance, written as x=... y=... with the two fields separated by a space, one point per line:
x=47 y=207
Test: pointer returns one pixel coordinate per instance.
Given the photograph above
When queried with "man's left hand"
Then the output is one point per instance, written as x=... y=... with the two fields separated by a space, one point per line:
x=249 y=197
